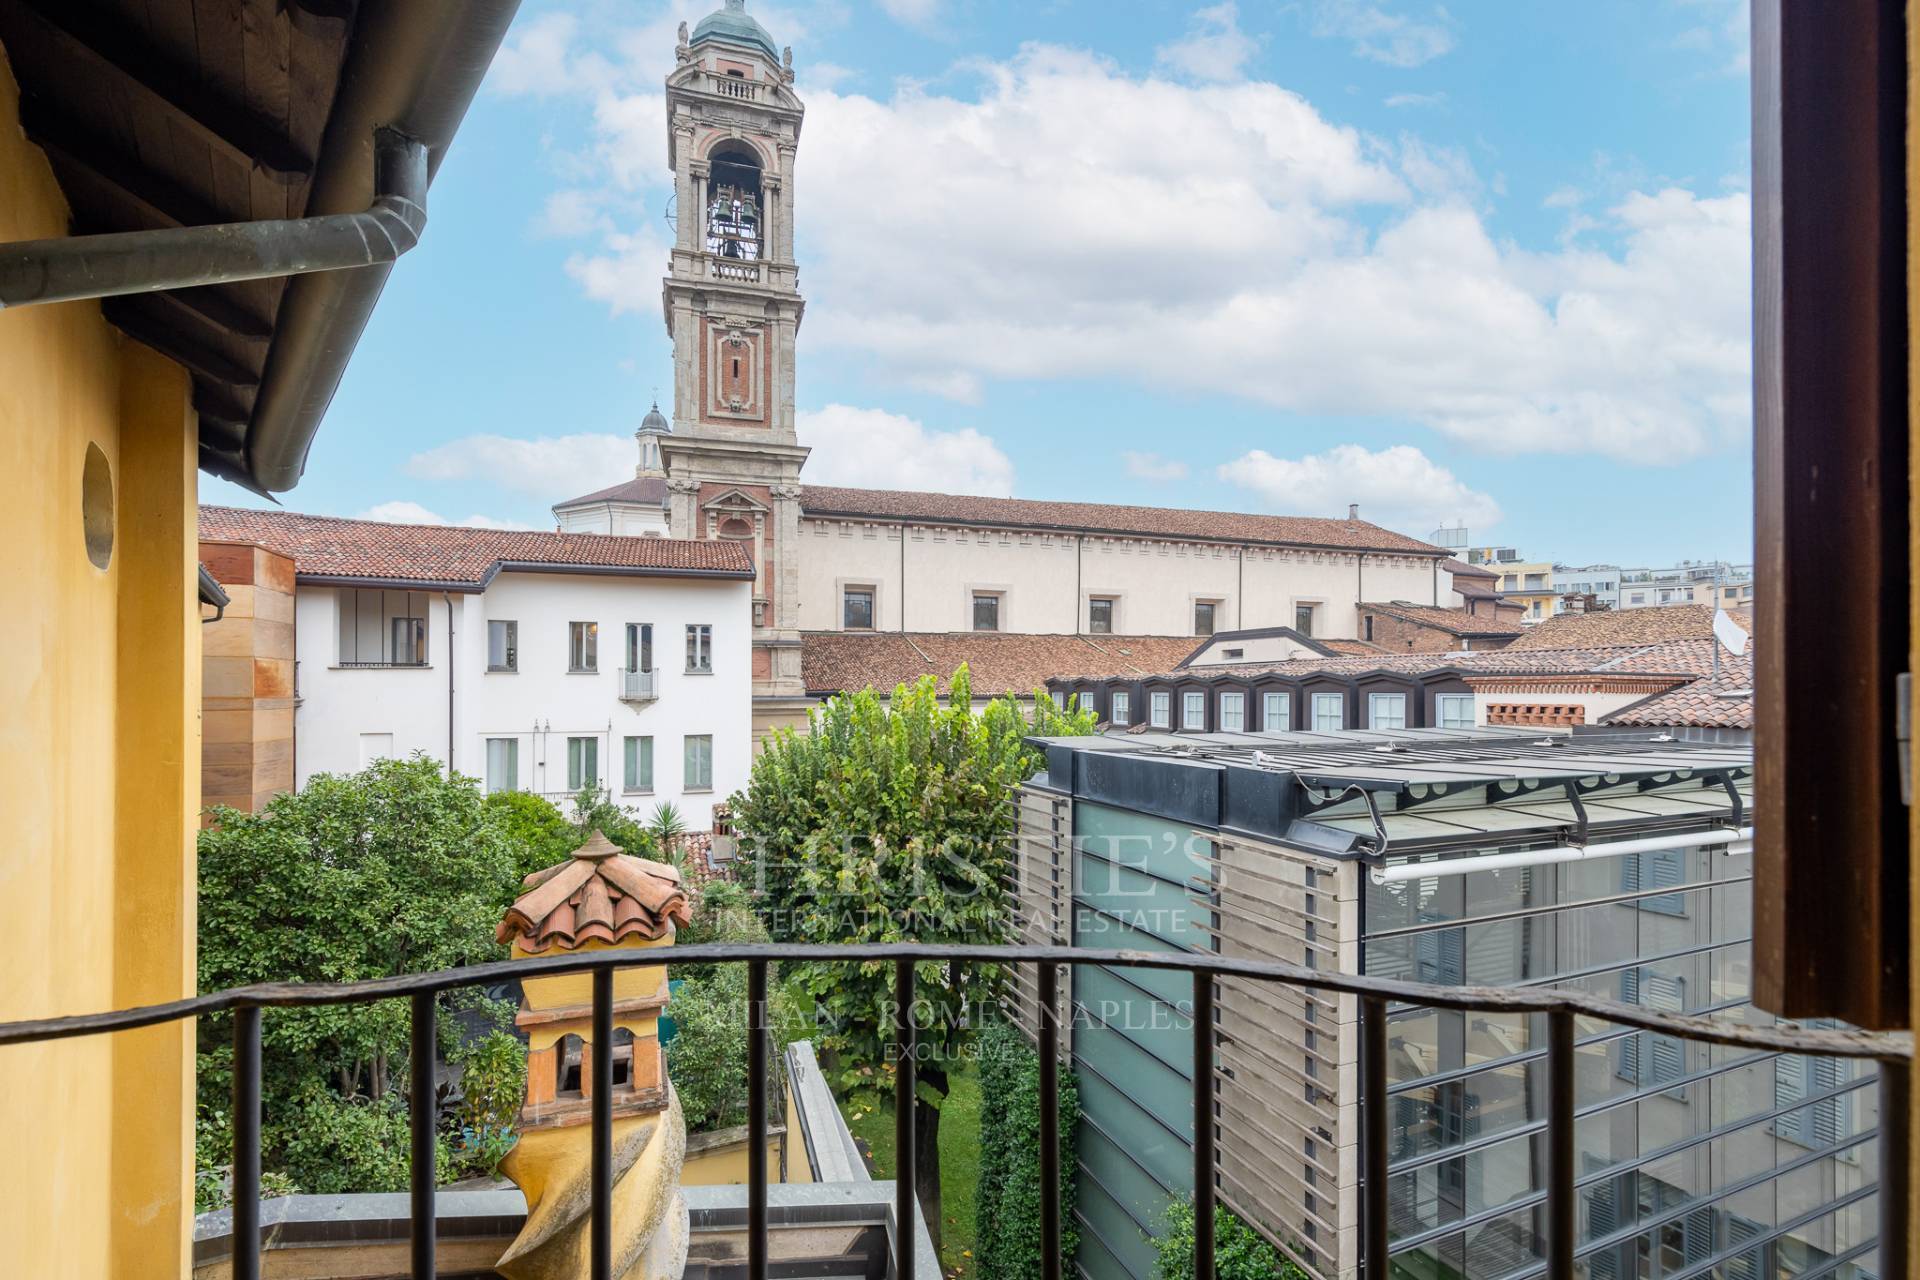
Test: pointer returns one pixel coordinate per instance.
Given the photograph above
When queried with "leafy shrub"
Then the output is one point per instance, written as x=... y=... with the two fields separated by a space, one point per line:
x=539 y=833
x=1239 y=1252
x=592 y=811
x=1007 y=1198
x=493 y=1079
x=341 y=1145
x=707 y=1055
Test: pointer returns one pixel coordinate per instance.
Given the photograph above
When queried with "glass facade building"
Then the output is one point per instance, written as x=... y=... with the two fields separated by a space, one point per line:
x=1691 y=1160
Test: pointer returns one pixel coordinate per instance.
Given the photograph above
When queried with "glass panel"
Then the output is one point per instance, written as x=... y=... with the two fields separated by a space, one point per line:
x=986 y=613
x=1233 y=711
x=1276 y=712
x=503 y=650
x=857 y=613
x=1387 y=710
x=1120 y=710
x=503 y=764
x=583 y=763
x=1100 y=617
x=699 y=761
x=639 y=764
x=1193 y=711
x=1162 y=704
x=1203 y=618
x=1329 y=714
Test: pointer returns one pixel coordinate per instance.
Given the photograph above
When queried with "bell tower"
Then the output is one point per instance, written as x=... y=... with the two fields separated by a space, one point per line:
x=733 y=307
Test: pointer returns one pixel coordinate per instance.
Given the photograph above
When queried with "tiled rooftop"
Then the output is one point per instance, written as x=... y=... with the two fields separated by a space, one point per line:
x=1727 y=704
x=649 y=490
x=1625 y=626
x=1456 y=622
x=599 y=894
x=329 y=547
x=1171 y=522
x=998 y=661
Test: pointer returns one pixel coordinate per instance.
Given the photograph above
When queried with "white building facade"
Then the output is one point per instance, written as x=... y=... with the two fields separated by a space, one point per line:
x=545 y=663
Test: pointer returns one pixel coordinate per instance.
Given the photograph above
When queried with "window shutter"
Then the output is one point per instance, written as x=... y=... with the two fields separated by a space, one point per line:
x=1630 y=1045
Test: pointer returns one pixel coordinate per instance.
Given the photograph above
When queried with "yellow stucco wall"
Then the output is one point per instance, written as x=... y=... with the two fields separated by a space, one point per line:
x=99 y=772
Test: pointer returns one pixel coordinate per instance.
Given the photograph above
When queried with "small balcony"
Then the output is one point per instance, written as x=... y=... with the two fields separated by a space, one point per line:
x=639 y=686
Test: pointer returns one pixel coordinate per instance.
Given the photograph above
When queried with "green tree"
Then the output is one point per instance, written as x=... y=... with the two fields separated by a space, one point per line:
x=396 y=869
x=539 y=832
x=892 y=821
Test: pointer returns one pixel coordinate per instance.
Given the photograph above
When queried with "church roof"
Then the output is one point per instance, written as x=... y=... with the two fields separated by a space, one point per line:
x=598 y=894
x=656 y=420
x=731 y=24
x=1098 y=517
x=647 y=490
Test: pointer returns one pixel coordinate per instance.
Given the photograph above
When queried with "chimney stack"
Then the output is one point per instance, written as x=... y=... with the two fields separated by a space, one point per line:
x=1353 y=511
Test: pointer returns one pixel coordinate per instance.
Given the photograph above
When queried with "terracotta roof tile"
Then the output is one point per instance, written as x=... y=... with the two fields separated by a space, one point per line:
x=1455 y=622
x=1174 y=522
x=998 y=661
x=649 y=490
x=598 y=894
x=328 y=547
x=1351 y=648
x=1727 y=704
x=1624 y=626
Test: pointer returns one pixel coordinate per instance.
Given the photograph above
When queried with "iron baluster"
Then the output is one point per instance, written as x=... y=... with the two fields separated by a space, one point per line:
x=246 y=1143
x=423 y=1120
x=602 y=1086
x=757 y=1120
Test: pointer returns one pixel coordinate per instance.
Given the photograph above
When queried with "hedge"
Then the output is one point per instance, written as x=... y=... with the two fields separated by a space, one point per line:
x=1239 y=1252
x=1008 y=1196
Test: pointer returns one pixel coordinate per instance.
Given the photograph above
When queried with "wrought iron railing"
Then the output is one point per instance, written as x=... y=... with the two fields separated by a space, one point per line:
x=1893 y=1053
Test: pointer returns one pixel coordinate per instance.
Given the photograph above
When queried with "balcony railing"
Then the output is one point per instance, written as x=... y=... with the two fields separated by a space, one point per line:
x=639 y=686
x=1376 y=995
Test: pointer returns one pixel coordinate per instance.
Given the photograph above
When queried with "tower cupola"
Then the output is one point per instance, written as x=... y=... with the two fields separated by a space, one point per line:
x=652 y=427
x=732 y=24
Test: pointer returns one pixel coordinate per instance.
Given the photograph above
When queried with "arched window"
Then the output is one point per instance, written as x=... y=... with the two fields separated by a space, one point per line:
x=734 y=202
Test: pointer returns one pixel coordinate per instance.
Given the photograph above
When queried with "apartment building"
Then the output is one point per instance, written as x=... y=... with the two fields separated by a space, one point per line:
x=542 y=662
x=1318 y=850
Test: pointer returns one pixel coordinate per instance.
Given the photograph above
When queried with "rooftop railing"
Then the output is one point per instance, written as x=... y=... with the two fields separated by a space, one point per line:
x=1375 y=995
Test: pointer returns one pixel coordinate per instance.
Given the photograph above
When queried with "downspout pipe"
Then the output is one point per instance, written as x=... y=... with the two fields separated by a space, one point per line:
x=128 y=262
x=1734 y=840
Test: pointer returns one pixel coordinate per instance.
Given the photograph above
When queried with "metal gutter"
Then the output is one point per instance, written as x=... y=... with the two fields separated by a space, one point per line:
x=71 y=268
x=472 y=586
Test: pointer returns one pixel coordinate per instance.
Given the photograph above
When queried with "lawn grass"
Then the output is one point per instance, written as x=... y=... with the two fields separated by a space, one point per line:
x=959 y=1162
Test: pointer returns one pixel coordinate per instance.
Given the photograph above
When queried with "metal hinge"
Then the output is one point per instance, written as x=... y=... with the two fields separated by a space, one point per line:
x=1903 y=732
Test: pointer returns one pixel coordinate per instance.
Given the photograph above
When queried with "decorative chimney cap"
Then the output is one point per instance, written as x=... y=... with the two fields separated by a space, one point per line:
x=1353 y=511
x=598 y=894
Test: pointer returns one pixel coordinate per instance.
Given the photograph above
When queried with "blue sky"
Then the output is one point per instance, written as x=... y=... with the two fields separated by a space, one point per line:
x=1481 y=262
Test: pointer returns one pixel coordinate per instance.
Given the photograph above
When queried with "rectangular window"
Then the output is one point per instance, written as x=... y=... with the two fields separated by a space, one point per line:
x=1366 y=627
x=1160 y=708
x=583 y=764
x=1329 y=712
x=1454 y=710
x=1118 y=715
x=986 y=612
x=856 y=609
x=583 y=646
x=410 y=642
x=639 y=764
x=503 y=646
x=1203 y=617
x=1233 y=712
x=698 y=775
x=639 y=646
x=1059 y=700
x=1193 y=711
x=382 y=628
x=1100 y=617
x=503 y=764
x=699 y=647
x=1303 y=619
x=1276 y=712
x=1386 y=711
x=1088 y=700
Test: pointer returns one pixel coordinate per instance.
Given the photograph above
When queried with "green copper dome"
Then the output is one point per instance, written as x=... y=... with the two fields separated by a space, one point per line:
x=732 y=25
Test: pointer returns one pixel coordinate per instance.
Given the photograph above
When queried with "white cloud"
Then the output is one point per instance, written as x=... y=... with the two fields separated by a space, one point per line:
x=571 y=212
x=915 y=13
x=1399 y=487
x=1214 y=47
x=1070 y=221
x=1415 y=100
x=550 y=468
x=401 y=511
x=1151 y=466
x=535 y=57
x=1381 y=36
x=1724 y=35
x=874 y=448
